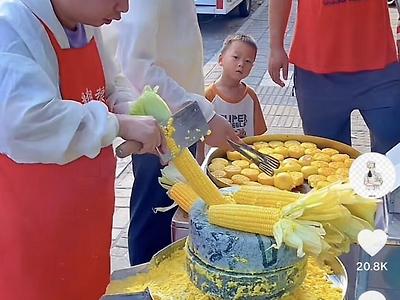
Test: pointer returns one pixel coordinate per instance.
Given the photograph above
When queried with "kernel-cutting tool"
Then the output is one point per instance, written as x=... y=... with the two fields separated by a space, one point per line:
x=190 y=126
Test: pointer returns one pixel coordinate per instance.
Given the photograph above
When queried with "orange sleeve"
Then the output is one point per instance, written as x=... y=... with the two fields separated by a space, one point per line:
x=210 y=92
x=260 y=126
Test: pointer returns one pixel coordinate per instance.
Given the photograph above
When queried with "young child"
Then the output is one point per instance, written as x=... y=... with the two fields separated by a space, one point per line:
x=230 y=96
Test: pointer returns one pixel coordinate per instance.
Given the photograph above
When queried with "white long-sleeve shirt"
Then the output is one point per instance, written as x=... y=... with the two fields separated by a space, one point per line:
x=36 y=125
x=158 y=43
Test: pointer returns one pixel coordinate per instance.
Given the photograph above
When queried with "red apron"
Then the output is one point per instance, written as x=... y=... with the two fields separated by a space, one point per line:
x=56 y=221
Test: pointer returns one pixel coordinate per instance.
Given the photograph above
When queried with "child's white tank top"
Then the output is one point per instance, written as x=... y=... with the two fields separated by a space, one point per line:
x=240 y=115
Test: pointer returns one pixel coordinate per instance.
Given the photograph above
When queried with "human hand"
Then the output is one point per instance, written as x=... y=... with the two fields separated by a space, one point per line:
x=398 y=38
x=142 y=134
x=278 y=60
x=221 y=131
x=398 y=49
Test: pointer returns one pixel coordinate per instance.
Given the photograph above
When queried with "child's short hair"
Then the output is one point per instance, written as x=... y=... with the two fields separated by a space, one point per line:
x=249 y=40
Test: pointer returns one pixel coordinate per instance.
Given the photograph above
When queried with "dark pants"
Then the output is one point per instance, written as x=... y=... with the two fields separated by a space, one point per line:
x=148 y=232
x=326 y=101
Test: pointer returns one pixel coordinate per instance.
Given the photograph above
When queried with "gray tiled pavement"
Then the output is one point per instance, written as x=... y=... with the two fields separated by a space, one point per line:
x=279 y=107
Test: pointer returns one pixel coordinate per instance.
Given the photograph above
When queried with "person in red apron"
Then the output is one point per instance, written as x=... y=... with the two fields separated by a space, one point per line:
x=57 y=166
x=345 y=59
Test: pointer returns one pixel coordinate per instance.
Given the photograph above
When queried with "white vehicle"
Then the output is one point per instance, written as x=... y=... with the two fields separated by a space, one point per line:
x=222 y=7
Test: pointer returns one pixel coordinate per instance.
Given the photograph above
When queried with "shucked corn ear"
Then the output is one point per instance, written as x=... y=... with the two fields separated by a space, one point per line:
x=300 y=224
x=364 y=208
x=183 y=195
x=248 y=218
x=264 y=196
x=152 y=104
x=305 y=236
x=190 y=169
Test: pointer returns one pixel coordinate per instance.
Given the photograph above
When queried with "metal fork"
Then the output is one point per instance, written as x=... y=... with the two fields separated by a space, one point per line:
x=264 y=162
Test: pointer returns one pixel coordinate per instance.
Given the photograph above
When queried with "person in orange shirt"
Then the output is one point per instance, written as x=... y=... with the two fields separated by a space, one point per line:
x=231 y=97
x=345 y=59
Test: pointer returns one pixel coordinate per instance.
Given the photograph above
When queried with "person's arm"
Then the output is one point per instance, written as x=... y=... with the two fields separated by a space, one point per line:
x=136 y=53
x=37 y=126
x=136 y=50
x=279 y=11
x=398 y=29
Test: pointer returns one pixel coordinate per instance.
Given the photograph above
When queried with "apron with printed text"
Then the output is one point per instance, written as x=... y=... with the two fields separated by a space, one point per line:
x=56 y=220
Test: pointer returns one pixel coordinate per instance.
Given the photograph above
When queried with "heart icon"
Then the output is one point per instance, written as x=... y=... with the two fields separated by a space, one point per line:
x=372 y=241
x=372 y=295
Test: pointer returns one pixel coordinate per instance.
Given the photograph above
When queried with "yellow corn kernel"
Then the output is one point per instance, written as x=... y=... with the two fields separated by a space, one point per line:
x=227 y=181
x=254 y=166
x=219 y=174
x=265 y=179
x=336 y=164
x=248 y=218
x=307 y=145
x=266 y=150
x=233 y=155
x=291 y=143
x=241 y=163
x=232 y=170
x=282 y=150
x=326 y=171
x=283 y=181
x=183 y=195
x=259 y=145
x=342 y=171
x=252 y=174
x=187 y=165
x=308 y=171
x=240 y=179
x=216 y=167
x=289 y=167
x=312 y=151
x=348 y=162
x=298 y=178
x=274 y=144
x=334 y=178
x=306 y=160
x=329 y=151
x=319 y=164
x=322 y=157
x=266 y=196
x=340 y=157
x=288 y=160
x=296 y=151
x=314 y=179
x=220 y=160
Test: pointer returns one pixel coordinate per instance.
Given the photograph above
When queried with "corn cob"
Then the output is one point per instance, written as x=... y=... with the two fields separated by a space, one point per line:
x=190 y=169
x=151 y=104
x=247 y=218
x=183 y=195
x=263 y=196
x=301 y=223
